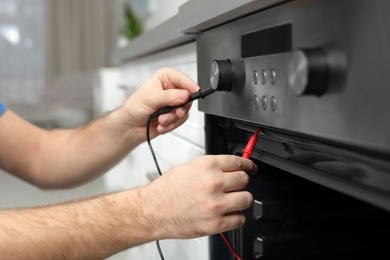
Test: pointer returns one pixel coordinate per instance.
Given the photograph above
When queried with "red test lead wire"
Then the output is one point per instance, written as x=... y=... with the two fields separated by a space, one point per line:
x=230 y=246
x=250 y=146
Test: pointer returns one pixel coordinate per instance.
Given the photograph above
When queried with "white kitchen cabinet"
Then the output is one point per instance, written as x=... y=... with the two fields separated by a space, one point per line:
x=181 y=145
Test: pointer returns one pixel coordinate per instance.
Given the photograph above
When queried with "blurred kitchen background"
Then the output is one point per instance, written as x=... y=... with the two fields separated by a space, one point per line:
x=56 y=71
x=51 y=51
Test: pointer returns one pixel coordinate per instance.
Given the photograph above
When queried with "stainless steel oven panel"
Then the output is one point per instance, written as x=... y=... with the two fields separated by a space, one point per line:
x=355 y=107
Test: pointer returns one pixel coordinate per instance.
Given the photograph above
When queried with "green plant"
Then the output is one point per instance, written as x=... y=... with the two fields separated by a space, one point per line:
x=132 y=26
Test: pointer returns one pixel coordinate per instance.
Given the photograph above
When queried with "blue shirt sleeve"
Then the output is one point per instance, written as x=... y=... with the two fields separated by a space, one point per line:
x=3 y=108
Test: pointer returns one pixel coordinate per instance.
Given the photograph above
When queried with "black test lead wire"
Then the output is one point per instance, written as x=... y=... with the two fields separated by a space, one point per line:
x=199 y=94
x=247 y=151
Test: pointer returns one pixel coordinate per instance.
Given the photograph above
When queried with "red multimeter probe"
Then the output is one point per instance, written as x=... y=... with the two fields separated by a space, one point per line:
x=250 y=146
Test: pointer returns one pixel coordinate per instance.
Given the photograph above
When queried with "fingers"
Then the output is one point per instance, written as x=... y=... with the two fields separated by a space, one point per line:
x=229 y=163
x=236 y=201
x=171 y=78
x=170 y=122
x=172 y=88
x=168 y=87
x=235 y=181
x=160 y=98
x=177 y=86
x=218 y=182
x=229 y=217
x=231 y=221
x=232 y=171
x=236 y=170
x=174 y=97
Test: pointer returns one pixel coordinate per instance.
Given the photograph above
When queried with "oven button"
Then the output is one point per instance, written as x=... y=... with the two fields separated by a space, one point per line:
x=272 y=103
x=264 y=102
x=256 y=102
x=221 y=75
x=263 y=76
x=273 y=77
x=308 y=72
x=255 y=76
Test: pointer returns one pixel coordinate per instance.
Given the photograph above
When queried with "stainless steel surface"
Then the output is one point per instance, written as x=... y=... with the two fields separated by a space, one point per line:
x=212 y=13
x=354 y=108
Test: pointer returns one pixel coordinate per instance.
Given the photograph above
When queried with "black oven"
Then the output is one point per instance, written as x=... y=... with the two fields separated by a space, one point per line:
x=314 y=76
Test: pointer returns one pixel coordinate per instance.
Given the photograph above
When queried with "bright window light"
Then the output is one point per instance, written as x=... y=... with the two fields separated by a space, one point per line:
x=10 y=33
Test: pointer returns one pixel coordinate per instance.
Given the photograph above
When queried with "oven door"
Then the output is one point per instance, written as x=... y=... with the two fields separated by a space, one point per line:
x=309 y=198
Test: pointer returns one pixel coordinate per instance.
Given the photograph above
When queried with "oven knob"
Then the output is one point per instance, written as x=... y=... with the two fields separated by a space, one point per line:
x=221 y=75
x=308 y=72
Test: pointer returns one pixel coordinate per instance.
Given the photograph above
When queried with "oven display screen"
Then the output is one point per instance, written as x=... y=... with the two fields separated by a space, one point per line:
x=267 y=41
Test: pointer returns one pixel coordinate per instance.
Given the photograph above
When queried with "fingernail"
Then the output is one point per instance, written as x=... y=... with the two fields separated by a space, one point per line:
x=163 y=121
x=255 y=168
x=242 y=220
x=183 y=111
x=162 y=130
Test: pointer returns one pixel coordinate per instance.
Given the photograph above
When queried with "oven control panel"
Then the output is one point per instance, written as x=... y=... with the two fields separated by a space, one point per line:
x=303 y=71
x=306 y=72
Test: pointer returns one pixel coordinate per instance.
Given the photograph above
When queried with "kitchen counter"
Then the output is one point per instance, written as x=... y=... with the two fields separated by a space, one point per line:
x=194 y=16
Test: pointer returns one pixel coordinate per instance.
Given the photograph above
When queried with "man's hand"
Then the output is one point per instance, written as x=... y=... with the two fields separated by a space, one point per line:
x=168 y=87
x=199 y=198
x=193 y=199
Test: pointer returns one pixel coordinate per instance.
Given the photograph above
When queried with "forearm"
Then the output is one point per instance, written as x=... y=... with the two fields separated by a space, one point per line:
x=164 y=209
x=67 y=158
x=89 y=229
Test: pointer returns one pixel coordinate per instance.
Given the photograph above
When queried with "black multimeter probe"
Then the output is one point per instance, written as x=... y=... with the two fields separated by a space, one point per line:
x=199 y=94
